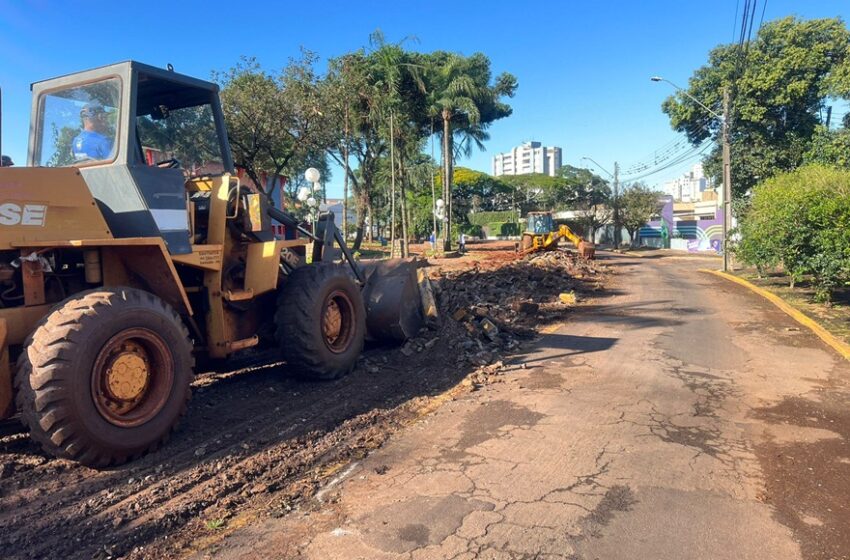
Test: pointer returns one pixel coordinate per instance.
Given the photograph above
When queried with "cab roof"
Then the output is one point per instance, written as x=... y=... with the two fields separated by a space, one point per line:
x=125 y=68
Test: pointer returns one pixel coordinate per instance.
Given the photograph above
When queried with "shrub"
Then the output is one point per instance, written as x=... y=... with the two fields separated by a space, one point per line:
x=486 y=218
x=800 y=220
x=474 y=230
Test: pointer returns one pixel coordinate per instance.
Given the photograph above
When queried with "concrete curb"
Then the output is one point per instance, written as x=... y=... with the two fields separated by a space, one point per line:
x=831 y=340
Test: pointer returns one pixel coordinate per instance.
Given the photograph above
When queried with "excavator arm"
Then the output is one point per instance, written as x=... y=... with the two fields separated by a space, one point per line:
x=565 y=232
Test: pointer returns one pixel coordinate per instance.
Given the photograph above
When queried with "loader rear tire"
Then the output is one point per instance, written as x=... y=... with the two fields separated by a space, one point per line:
x=321 y=322
x=105 y=377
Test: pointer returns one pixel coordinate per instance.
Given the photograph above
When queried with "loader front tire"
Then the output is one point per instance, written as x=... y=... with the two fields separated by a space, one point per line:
x=105 y=377
x=321 y=322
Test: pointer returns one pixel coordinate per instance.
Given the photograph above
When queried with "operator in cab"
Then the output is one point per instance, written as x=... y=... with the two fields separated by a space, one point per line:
x=95 y=140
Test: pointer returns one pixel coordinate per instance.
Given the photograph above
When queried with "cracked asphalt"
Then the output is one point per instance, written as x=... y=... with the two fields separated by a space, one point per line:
x=680 y=417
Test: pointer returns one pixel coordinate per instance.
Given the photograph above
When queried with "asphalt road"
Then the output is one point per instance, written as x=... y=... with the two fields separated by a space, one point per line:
x=681 y=417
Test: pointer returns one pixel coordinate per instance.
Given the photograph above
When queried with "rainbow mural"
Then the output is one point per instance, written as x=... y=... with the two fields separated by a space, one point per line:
x=693 y=235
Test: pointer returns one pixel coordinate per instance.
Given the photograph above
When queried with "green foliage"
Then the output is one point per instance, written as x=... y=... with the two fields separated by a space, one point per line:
x=372 y=102
x=637 y=204
x=62 y=141
x=214 y=524
x=275 y=121
x=474 y=230
x=484 y=218
x=801 y=220
x=474 y=191
x=830 y=147
x=502 y=229
x=779 y=83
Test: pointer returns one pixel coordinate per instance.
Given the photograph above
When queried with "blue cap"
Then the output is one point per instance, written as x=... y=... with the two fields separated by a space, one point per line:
x=91 y=110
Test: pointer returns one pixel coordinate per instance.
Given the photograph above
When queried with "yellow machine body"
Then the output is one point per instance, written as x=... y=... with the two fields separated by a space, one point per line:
x=47 y=212
x=542 y=235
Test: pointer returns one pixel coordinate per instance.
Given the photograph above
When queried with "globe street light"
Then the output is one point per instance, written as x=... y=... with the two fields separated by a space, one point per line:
x=312 y=175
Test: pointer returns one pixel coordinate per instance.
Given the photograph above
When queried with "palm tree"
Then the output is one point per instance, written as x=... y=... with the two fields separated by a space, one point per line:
x=393 y=67
x=453 y=98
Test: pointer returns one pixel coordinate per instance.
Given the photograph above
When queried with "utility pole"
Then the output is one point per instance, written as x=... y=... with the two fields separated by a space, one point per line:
x=616 y=205
x=727 y=161
x=727 y=181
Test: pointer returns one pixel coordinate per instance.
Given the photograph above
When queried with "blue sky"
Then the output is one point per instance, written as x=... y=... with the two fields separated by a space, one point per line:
x=583 y=67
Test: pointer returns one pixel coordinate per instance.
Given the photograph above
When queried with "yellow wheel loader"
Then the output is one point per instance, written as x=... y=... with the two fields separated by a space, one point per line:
x=542 y=235
x=129 y=252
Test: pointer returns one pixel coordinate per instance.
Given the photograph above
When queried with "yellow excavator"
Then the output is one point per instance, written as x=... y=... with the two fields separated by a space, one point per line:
x=542 y=235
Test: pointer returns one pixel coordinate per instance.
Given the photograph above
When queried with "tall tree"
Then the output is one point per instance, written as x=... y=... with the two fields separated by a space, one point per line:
x=354 y=102
x=638 y=203
x=780 y=82
x=275 y=122
x=391 y=71
x=462 y=95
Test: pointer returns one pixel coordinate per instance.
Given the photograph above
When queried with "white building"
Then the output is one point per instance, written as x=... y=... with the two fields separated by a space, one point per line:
x=689 y=187
x=530 y=157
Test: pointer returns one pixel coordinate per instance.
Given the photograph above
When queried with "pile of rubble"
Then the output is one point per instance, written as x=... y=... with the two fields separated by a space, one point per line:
x=486 y=313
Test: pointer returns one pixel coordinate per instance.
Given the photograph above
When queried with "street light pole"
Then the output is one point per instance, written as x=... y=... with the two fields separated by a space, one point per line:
x=616 y=177
x=616 y=205
x=727 y=161
x=727 y=181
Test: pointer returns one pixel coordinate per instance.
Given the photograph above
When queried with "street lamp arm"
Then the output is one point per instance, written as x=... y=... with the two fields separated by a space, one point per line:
x=688 y=95
x=599 y=166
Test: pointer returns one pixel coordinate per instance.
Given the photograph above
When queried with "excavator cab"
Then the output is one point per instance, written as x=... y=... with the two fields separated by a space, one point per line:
x=540 y=223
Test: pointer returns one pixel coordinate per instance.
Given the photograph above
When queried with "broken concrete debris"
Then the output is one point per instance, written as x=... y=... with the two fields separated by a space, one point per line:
x=492 y=308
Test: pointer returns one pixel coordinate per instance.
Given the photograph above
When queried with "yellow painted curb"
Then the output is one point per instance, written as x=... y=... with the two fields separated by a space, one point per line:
x=838 y=345
x=631 y=254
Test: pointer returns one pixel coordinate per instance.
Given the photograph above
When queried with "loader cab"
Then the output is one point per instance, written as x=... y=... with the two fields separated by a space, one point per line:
x=136 y=133
x=540 y=223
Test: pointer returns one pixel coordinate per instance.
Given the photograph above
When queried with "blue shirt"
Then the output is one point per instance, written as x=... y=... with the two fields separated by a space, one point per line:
x=90 y=144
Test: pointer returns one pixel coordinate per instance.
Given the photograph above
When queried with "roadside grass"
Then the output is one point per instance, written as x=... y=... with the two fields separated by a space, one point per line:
x=834 y=317
x=214 y=524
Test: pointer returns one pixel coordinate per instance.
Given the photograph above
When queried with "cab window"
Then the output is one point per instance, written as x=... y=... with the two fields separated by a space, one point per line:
x=182 y=137
x=78 y=124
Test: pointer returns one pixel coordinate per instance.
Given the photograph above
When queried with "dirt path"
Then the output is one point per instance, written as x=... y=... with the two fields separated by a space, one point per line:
x=680 y=418
x=254 y=444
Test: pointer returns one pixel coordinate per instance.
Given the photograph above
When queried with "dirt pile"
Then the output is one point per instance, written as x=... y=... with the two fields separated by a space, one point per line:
x=521 y=294
x=488 y=311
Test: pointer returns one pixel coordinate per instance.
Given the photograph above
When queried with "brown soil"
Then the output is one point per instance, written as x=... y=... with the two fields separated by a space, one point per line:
x=256 y=443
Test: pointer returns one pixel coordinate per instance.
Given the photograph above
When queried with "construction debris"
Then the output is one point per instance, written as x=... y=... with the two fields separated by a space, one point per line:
x=493 y=309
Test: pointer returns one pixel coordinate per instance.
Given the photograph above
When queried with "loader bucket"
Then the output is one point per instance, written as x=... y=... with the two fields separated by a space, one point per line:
x=398 y=300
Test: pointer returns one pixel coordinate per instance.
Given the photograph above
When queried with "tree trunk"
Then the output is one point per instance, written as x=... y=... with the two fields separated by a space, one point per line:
x=433 y=189
x=392 y=188
x=448 y=156
x=405 y=252
x=345 y=186
x=364 y=208
x=371 y=230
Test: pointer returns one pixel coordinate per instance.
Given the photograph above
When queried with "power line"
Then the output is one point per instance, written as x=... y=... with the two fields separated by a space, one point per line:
x=735 y=20
x=763 y=10
x=667 y=151
x=692 y=154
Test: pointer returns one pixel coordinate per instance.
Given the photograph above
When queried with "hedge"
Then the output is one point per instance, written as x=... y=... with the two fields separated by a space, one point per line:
x=801 y=221
x=486 y=218
x=502 y=229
